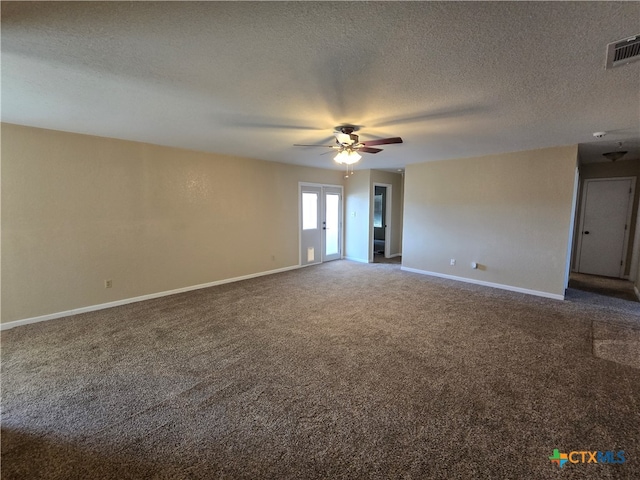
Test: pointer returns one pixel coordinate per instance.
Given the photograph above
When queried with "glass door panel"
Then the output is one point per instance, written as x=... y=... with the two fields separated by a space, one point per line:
x=332 y=224
x=311 y=234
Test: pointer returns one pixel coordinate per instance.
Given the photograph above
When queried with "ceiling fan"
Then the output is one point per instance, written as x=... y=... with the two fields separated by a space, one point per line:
x=348 y=145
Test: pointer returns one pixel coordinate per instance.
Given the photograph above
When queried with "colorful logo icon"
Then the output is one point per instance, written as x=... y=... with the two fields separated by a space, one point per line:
x=559 y=458
x=609 y=457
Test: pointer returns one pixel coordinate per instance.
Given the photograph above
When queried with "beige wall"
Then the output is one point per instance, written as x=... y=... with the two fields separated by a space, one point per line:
x=357 y=193
x=397 y=183
x=511 y=213
x=77 y=210
x=625 y=168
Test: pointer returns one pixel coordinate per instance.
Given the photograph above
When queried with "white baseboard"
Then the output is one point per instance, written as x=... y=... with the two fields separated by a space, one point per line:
x=142 y=298
x=395 y=255
x=354 y=259
x=537 y=293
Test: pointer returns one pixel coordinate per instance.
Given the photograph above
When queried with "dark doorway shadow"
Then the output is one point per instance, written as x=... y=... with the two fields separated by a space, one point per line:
x=380 y=258
x=609 y=287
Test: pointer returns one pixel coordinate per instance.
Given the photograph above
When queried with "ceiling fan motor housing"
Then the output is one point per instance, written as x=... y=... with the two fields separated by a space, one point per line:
x=345 y=136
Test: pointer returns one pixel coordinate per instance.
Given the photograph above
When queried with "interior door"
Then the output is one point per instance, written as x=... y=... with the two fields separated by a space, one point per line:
x=321 y=223
x=604 y=230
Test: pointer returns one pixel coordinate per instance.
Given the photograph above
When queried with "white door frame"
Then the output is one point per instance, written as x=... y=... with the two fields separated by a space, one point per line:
x=388 y=220
x=583 y=203
x=341 y=234
x=634 y=273
x=572 y=227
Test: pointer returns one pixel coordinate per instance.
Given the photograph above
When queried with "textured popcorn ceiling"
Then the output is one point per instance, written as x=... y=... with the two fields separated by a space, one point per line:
x=453 y=79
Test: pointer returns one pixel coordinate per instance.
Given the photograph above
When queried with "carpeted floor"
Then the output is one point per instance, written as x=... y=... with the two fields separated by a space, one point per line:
x=609 y=287
x=380 y=258
x=337 y=371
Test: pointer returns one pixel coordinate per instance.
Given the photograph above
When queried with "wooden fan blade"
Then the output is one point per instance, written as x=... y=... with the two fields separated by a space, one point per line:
x=382 y=141
x=369 y=150
x=301 y=145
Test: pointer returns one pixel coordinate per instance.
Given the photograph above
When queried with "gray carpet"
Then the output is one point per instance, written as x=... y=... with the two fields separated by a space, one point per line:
x=605 y=286
x=337 y=371
x=380 y=258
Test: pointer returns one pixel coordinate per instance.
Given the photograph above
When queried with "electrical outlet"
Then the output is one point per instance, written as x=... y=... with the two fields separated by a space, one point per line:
x=452 y=262
x=108 y=284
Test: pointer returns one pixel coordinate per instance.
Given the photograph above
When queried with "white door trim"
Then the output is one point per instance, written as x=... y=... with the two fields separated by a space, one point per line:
x=634 y=273
x=572 y=227
x=388 y=220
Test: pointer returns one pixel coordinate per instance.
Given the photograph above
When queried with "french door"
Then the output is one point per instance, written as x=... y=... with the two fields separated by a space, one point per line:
x=320 y=223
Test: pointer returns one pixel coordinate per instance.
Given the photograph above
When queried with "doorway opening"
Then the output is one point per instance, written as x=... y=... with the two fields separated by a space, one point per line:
x=382 y=219
x=604 y=241
x=605 y=224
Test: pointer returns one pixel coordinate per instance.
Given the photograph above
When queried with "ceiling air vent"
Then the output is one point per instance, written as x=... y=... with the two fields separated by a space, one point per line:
x=623 y=51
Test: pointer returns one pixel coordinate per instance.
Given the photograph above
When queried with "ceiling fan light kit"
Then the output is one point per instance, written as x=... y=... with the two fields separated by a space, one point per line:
x=347 y=157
